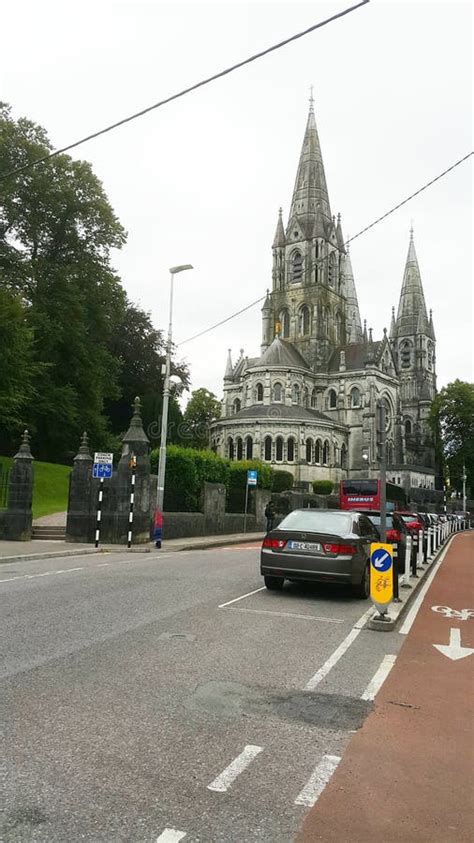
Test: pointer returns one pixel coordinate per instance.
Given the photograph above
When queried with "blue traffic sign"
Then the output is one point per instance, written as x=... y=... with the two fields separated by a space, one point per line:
x=381 y=559
x=251 y=478
x=101 y=471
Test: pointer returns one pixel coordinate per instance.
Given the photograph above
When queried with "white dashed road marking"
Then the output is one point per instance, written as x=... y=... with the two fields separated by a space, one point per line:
x=285 y=614
x=242 y=597
x=318 y=781
x=170 y=835
x=378 y=678
x=45 y=574
x=339 y=652
x=228 y=776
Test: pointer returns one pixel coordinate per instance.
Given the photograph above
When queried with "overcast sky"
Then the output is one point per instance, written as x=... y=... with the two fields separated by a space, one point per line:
x=200 y=180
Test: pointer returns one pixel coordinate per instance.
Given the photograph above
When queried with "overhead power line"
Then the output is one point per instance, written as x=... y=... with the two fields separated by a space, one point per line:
x=185 y=91
x=346 y=243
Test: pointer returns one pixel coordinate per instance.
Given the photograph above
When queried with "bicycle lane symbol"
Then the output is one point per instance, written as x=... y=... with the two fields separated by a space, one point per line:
x=459 y=614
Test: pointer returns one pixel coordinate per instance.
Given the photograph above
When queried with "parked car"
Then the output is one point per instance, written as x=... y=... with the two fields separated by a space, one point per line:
x=412 y=521
x=319 y=545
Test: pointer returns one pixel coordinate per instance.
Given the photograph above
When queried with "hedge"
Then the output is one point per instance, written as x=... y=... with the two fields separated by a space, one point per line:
x=238 y=481
x=322 y=487
x=282 y=480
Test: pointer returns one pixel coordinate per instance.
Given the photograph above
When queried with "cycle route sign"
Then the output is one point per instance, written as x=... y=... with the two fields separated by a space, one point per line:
x=381 y=574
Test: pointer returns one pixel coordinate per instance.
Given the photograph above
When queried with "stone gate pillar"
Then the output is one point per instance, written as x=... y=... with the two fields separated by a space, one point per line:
x=80 y=513
x=19 y=516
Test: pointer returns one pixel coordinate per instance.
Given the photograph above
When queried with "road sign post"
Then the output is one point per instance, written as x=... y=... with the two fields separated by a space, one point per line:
x=381 y=577
x=101 y=470
x=251 y=481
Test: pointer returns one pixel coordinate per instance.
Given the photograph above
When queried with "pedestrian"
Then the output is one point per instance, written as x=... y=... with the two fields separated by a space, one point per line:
x=157 y=528
x=270 y=515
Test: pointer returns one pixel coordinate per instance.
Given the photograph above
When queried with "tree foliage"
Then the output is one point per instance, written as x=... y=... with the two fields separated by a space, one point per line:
x=86 y=349
x=202 y=409
x=452 y=414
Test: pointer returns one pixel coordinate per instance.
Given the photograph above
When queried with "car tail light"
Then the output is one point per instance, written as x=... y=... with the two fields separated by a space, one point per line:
x=273 y=543
x=413 y=525
x=340 y=549
x=393 y=536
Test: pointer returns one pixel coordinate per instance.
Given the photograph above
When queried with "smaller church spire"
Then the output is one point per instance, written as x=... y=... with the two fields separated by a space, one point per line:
x=432 y=330
x=411 y=307
x=279 y=239
x=392 y=324
x=364 y=335
x=339 y=237
x=229 y=368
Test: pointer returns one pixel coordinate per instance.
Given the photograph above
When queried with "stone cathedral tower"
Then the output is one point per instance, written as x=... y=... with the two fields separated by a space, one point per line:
x=308 y=403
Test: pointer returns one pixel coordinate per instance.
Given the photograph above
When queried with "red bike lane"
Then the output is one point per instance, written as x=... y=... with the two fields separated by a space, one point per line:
x=407 y=775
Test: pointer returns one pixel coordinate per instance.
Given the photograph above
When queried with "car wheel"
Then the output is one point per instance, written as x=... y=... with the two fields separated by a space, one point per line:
x=274 y=583
x=363 y=589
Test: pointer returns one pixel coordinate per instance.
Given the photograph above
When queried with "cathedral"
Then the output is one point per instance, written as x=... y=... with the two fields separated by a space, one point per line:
x=308 y=403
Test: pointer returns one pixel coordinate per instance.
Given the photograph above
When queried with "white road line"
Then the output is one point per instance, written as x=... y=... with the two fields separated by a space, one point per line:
x=45 y=574
x=408 y=622
x=286 y=615
x=318 y=781
x=236 y=599
x=378 y=678
x=339 y=652
x=170 y=835
x=228 y=776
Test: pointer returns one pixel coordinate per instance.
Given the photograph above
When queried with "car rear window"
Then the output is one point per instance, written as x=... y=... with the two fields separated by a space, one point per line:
x=376 y=520
x=318 y=521
x=409 y=518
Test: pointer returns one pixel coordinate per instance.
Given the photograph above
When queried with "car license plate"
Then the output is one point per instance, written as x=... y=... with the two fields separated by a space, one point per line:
x=311 y=547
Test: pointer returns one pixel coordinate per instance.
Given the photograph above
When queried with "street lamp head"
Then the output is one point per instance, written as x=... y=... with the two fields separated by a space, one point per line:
x=175 y=269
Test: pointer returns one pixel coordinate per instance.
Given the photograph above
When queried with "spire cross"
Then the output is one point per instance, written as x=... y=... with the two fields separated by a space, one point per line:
x=311 y=98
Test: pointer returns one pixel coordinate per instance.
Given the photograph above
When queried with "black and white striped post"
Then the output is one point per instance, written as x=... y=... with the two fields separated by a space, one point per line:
x=99 y=511
x=133 y=466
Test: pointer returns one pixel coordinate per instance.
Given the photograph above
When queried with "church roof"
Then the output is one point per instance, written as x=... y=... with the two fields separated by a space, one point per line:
x=356 y=355
x=310 y=206
x=281 y=411
x=411 y=308
x=282 y=353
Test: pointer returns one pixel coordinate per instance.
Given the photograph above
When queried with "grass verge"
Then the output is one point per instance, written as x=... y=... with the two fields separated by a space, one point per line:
x=50 y=486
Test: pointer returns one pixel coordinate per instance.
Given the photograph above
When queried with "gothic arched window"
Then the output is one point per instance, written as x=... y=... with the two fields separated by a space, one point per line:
x=408 y=427
x=296 y=266
x=317 y=452
x=309 y=450
x=285 y=323
x=240 y=448
x=279 y=449
x=343 y=456
x=259 y=392
x=332 y=398
x=355 y=397
x=290 y=449
x=304 y=320
x=267 y=448
x=236 y=405
x=430 y=356
x=305 y=397
x=326 y=452
x=339 y=338
x=230 y=447
x=332 y=269
x=314 y=399
x=249 y=448
x=405 y=355
x=277 y=392
x=295 y=397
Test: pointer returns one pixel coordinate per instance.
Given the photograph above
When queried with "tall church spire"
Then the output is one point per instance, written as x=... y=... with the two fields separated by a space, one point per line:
x=353 y=323
x=310 y=194
x=411 y=307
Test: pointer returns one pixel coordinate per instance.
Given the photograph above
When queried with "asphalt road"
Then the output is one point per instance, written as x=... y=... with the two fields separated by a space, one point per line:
x=137 y=706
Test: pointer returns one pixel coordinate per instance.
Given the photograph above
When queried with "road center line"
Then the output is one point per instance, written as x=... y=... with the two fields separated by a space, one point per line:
x=318 y=781
x=378 y=678
x=170 y=835
x=44 y=574
x=229 y=775
x=339 y=652
x=286 y=614
x=236 y=599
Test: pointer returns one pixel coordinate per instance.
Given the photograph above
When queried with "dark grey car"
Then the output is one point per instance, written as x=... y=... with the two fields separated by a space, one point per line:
x=319 y=545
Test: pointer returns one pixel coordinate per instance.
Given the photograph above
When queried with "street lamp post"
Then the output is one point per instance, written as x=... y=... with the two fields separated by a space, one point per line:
x=464 y=478
x=160 y=491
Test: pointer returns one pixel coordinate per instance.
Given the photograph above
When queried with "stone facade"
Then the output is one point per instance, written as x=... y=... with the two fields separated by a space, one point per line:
x=308 y=403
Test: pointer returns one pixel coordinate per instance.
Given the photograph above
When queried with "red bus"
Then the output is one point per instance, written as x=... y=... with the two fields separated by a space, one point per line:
x=365 y=494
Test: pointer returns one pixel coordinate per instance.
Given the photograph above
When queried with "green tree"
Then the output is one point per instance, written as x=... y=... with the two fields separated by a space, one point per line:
x=202 y=409
x=452 y=416
x=18 y=373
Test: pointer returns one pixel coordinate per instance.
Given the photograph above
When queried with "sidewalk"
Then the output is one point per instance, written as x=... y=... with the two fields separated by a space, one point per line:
x=407 y=774
x=27 y=551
